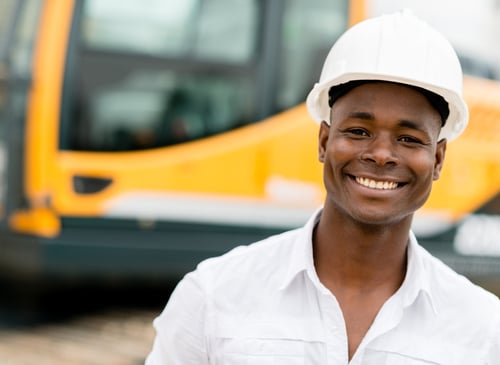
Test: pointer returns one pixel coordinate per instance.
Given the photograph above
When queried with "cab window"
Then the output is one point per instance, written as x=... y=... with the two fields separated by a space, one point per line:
x=149 y=76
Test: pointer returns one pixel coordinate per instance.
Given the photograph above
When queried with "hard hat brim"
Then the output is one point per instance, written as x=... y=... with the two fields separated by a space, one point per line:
x=317 y=100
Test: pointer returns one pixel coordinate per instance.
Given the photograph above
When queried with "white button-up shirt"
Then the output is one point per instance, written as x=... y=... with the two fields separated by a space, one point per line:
x=264 y=304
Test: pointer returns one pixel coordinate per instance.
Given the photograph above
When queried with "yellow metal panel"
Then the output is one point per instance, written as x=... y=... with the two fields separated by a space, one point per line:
x=235 y=164
x=357 y=11
x=43 y=111
x=39 y=221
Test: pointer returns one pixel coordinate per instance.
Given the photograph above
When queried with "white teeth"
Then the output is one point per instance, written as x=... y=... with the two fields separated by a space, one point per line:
x=380 y=185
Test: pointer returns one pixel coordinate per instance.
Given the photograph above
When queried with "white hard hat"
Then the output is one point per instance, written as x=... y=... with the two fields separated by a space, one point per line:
x=397 y=48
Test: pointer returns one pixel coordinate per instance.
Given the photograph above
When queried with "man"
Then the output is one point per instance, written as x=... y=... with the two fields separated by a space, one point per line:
x=353 y=285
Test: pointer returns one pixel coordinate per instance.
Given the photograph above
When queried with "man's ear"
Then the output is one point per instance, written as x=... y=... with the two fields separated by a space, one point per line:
x=324 y=132
x=439 y=158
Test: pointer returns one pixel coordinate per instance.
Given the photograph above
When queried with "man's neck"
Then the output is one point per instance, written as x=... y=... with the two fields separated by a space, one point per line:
x=349 y=254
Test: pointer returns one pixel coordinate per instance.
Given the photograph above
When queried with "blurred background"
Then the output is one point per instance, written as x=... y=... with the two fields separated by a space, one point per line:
x=138 y=138
x=472 y=29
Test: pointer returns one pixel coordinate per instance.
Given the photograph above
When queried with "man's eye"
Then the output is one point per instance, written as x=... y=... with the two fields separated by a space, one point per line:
x=409 y=139
x=357 y=132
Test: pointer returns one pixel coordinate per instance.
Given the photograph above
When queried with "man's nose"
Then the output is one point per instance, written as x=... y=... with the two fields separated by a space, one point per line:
x=381 y=150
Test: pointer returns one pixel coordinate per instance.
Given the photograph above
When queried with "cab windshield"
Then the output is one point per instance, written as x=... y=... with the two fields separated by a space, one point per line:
x=146 y=76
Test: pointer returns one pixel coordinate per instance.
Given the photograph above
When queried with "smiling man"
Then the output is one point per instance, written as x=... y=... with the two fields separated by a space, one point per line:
x=352 y=286
x=380 y=154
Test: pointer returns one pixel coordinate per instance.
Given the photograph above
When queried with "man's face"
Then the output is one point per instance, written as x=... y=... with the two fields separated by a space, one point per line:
x=380 y=153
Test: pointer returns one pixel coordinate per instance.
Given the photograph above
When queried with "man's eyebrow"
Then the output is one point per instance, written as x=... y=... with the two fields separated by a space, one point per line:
x=410 y=124
x=405 y=123
x=362 y=115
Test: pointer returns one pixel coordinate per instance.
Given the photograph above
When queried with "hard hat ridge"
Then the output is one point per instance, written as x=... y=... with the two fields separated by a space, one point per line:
x=397 y=48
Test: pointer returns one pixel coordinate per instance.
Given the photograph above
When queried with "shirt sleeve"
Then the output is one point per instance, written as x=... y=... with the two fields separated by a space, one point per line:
x=180 y=328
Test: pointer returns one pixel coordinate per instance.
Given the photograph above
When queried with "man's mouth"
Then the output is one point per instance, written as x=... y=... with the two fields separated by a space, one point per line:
x=376 y=184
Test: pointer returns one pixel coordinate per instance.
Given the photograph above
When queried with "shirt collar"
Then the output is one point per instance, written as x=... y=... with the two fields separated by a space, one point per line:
x=301 y=254
x=417 y=279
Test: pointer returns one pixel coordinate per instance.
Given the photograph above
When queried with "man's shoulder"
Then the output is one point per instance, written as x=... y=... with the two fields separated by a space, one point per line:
x=247 y=262
x=453 y=288
x=465 y=312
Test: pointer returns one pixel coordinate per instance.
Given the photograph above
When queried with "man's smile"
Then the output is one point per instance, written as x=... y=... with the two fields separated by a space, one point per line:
x=376 y=184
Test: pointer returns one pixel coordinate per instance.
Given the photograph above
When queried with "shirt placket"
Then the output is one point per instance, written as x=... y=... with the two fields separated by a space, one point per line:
x=335 y=330
x=388 y=318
